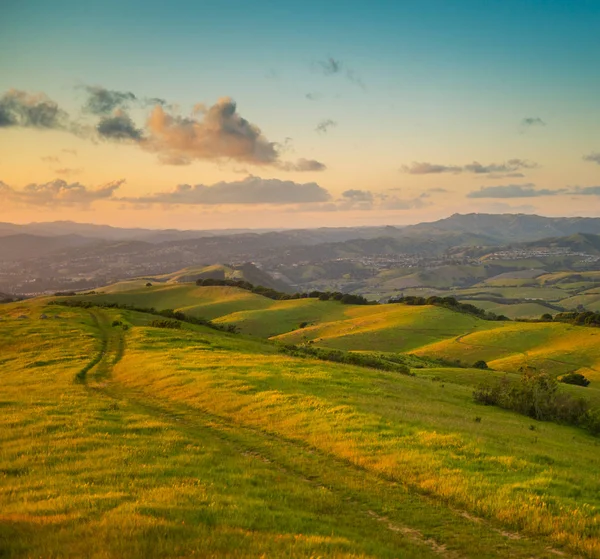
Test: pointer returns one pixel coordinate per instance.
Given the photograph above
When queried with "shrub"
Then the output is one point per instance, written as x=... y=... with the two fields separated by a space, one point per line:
x=574 y=378
x=165 y=324
x=480 y=365
x=536 y=395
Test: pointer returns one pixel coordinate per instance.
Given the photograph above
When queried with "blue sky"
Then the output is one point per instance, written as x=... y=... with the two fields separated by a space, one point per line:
x=430 y=81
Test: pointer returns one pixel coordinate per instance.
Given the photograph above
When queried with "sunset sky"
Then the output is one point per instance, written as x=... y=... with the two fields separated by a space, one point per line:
x=221 y=114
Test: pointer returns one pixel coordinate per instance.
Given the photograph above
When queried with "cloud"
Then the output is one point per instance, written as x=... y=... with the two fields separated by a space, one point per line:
x=532 y=121
x=313 y=96
x=118 y=126
x=437 y=189
x=215 y=133
x=67 y=172
x=395 y=203
x=303 y=165
x=586 y=191
x=103 y=101
x=70 y=151
x=352 y=199
x=332 y=67
x=505 y=176
x=426 y=168
x=221 y=133
x=58 y=193
x=251 y=190
x=325 y=125
x=509 y=166
x=513 y=191
x=19 y=108
x=358 y=195
x=592 y=157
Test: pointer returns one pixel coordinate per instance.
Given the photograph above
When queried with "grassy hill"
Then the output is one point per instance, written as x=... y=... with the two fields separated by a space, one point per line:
x=189 y=441
x=426 y=331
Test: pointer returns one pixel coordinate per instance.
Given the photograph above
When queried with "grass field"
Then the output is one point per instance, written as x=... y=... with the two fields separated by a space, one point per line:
x=426 y=331
x=194 y=442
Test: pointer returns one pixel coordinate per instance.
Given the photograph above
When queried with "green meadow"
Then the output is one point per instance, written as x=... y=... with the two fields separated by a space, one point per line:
x=121 y=439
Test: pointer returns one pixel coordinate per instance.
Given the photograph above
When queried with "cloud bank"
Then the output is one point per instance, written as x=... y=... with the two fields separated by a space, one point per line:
x=58 y=193
x=513 y=191
x=426 y=168
x=251 y=190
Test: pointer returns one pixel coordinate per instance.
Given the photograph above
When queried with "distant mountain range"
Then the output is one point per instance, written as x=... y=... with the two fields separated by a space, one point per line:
x=509 y=227
x=39 y=257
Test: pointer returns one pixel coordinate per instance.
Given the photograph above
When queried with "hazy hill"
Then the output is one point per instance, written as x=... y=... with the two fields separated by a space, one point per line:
x=24 y=246
x=510 y=227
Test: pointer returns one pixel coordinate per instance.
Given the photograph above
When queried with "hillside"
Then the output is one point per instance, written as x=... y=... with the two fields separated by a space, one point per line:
x=186 y=441
x=427 y=331
x=510 y=227
x=23 y=246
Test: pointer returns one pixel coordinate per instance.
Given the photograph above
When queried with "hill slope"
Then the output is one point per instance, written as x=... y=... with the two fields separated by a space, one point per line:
x=426 y=331
x=188 y=441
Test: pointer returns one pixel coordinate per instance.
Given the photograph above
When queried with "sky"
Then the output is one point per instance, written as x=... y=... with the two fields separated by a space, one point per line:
x=223 y=114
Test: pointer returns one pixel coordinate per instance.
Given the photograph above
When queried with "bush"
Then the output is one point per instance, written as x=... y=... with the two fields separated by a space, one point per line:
x=536 y=395
x=574 y=378
x=165 y=324
x=148 y=284
x=480 y=365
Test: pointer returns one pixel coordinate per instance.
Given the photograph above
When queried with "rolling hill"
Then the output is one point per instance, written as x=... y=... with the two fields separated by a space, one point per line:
x=426 y=331
x=170 y=442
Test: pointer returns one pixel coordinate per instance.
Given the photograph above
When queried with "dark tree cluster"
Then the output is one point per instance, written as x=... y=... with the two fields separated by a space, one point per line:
x=585 y=318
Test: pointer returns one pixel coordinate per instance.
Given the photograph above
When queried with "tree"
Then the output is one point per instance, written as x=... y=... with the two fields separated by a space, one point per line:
x=480 y=365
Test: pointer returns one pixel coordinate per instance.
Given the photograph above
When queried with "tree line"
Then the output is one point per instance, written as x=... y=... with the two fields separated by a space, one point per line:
x=345 y=298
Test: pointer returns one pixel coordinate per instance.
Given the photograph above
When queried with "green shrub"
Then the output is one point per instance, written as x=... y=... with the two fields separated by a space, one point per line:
x=480 y=365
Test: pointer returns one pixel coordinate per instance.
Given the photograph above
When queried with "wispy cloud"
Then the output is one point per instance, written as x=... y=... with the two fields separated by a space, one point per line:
x=57 y=193
x=592 y=157
x=303 y=166
x=251 y=190
x=585 y=191
x=325 y=125
x=426 y=168
x=530 y=121
x=332 y=67
x=102 y=101
x=513 y=191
